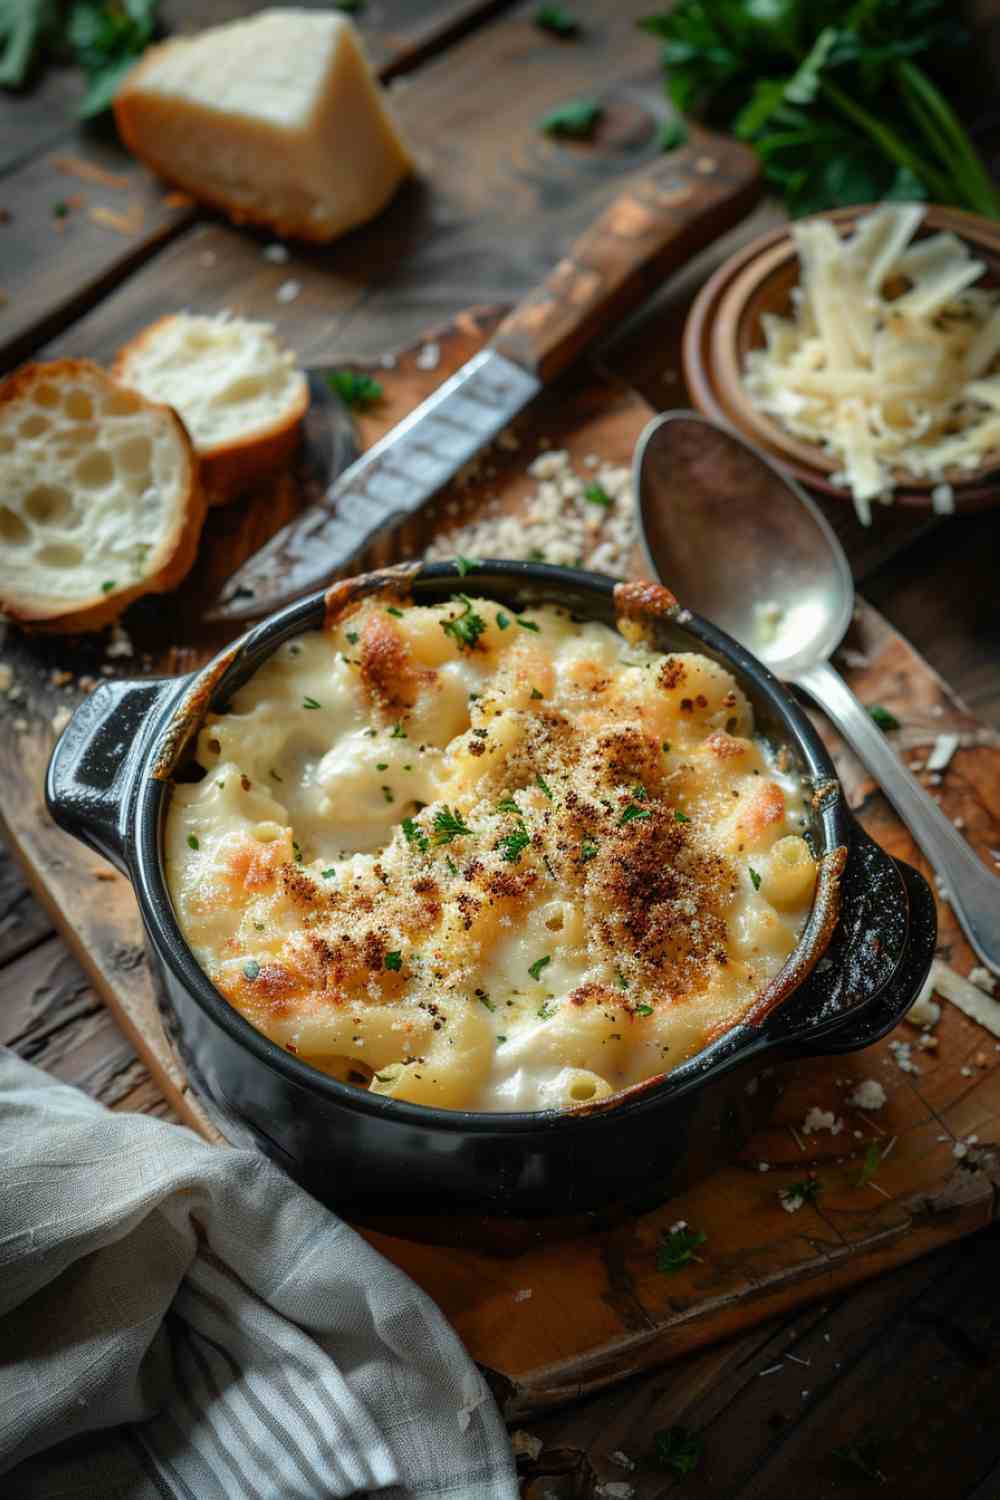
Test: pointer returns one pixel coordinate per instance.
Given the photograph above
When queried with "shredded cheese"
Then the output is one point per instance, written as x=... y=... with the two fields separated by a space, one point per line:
x=889 y=361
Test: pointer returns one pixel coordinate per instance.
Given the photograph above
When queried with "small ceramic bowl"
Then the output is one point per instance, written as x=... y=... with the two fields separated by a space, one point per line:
x=725 y=323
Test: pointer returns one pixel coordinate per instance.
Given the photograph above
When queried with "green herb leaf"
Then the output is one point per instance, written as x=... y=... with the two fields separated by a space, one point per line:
x=484 y=999
x=557 y=19
x=535 y=969
x=508 y=805
x=352 y=636
x=391 y=609
x=632 y=814
x=808 y=1189
x=398 y=732
x=382 y=765
x=466 y=564
x=620 y=980
x=502 y=620
x=107 y=585
x=415 y=836
x=882 y=717
x=677 y=1448
x=251 y=968
x=193 y=841
x=677 y=1249
x=448 y=826
x=543 y=786
x=394 y=960
x=536 y=694
x=388 y=794
x=328 y=874
x=598 y=495
x=870 y=1165
x=465 y=628
x=588 y=850
x=546 y=1010
x=526 y=624
x=354 y=389
x=512 y=845
x=644 y=1010
x=576 y=120
x=452 y=867
x=310 y=703
x=680 y=817
x=754 y=878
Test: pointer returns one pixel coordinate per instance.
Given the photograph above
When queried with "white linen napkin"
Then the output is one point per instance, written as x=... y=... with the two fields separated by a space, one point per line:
x=182 y=1322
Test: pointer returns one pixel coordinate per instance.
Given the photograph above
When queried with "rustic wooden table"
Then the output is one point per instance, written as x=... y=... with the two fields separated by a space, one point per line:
x=903 y=1375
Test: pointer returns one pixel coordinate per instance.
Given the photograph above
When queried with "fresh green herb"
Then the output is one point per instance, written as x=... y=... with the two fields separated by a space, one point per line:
x=328 y=874
x=502 y=620
x=807 y=1191
x=620 y=980
x=677 y=1248
x=467 y=627
x=870 y=1165
x=381 y=765
x=107 y=585
x=297 y=851
x=501 y=1040
x=536 y=694
x=448 y=826
x=577 y=120
x=535 y=969
x=639 y=792
x=407 y=768
x=754 y=878
x=526 y=624
x=677 y=1448
x=632 y=813
x=833 y=96
x=484 y=999
x=258 y=927
x=354 y=389
x=644 y=1010
x=392 y=610
x=452 y=867
x=60 y=209
x=588 y=850
x=536 y=555
x=882 y=717
x=220 y=784
x=508 y=805
x=398 y=732
x=680 y=817
x=598 y=495
x=415 y=836
x=513 y=844
x=352 y=636
x=557 y=19
x=251 y=968
x=665 y=747
x=543 y=786
x=861 y=1457
x=310 y=703
x=394 y=960
x=546 y=1010
x=466 y=564
x=193 y=841
x=387 y=793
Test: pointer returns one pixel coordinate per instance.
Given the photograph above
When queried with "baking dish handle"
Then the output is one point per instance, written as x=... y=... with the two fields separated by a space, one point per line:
x=93 y=769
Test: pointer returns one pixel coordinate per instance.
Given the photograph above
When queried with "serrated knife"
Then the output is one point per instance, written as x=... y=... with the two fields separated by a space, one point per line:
x=667 y=213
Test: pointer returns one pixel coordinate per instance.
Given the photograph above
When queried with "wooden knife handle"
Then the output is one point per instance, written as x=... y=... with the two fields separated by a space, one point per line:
x=668 y=212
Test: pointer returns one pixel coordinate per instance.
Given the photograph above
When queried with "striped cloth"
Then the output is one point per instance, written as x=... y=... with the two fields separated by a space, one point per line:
x=181 y=1322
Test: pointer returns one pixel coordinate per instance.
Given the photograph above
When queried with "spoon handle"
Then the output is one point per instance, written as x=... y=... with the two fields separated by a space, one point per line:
x=972 y=891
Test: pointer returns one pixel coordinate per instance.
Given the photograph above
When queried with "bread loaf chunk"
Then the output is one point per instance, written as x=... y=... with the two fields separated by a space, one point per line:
x=100 y=497
x=278 y=120
x=235 y=385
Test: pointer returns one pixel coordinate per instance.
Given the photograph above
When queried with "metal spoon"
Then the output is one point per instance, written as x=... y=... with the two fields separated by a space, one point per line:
x=747 y=548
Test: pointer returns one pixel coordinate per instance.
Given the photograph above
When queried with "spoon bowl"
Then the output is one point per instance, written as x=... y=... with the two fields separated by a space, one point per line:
x=744 y=546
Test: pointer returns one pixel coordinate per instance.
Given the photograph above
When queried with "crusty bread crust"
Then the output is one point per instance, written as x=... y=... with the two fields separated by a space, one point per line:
x=227 y=469
x=177 y=549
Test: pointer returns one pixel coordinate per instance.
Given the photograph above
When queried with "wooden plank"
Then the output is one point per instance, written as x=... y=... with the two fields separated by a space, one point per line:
x=23 y=923
x=53 y=268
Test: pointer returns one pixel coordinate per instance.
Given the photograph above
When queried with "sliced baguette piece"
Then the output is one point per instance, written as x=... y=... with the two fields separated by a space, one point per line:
x=100 y=497
x=278 y=120
x=233 y=383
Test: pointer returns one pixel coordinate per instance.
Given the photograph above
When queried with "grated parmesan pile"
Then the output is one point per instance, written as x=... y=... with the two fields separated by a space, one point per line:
x=890 y=359
x=558 y=523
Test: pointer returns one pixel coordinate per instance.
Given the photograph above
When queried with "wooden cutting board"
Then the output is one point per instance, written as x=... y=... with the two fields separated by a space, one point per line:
x=559 y=1319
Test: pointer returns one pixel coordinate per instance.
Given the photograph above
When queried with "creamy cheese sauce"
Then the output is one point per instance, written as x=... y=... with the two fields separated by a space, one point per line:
x=487 y=860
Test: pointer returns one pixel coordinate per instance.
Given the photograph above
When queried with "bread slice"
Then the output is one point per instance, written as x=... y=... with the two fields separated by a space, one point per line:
x=100 y=497
x=233 y=383
x=277 y=120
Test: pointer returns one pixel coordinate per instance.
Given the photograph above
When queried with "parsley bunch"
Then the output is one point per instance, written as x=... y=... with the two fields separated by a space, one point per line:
x=841 y=99
x=104 y=37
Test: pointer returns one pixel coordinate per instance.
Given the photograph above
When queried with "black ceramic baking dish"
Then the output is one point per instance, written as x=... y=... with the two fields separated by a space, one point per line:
x=857 y=968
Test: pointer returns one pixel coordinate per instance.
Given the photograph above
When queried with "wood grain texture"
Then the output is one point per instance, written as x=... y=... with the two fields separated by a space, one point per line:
x=614 y=1312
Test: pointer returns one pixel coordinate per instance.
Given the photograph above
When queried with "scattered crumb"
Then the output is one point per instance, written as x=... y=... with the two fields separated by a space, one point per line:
x=958 y=823
x=790 y=1201
x=103 y=873
x=868 y=1095
x=676 y=1228
x=926 y=1042
x=943 y=749
x=525 y=1444
x=615 y=1489
x=523 y=1294
x=943 y=500
x=821 y=1119
x=61 y=718
x=981 y=977
x=388 y=361
x=959 y=1150
x=924 y=1011
x=59 y=677
x=429 y=357
x=937 y=711
x=20 y=725
x=967 y=1072
x=901 y=1052
x=622 y=1460
x=288 y=291
x=276 y=254
x=763 y=1166
x=120 y=643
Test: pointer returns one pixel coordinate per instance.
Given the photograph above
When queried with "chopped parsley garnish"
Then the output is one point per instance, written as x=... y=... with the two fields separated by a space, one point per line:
x=466 y=564
x=108 y=585
x=394 y=960
x=680 y=817
x=508 y=805
x=808 y=1190
x=632 y=813
x=258 y=927
x=467 y=627
x=546 y=1010
x=588 y=850
x=620 y=980
x=536 y=555
x=871 y=1164
x=597 y=495
x=484 y=999
x=328 y=874
x=352 y=636
x=644 y=1010
x=754 y=878
x=677 y=1248
x=882 y=717
x=297 y=851
x=502 y=620
x=448 y=826
x=536 y=694
x=398 y=732
x=500 y=1040
x=251 y=968
x=381 y=765
x=677 y=1448
x=451 y=864
x=535 y=969
x=639 y=793
x=665 y=747
x=415 y=836
x=576 y=119
x=557 y=19
x=526 y=624
x=543 y=786
x=512 y=844
x=193 y=841
x=392 y=610
x=387 y=793
x=354 y=389
x=310 y=703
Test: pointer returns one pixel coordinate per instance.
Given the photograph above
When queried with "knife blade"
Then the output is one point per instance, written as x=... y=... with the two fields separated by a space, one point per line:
x=667 y=213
